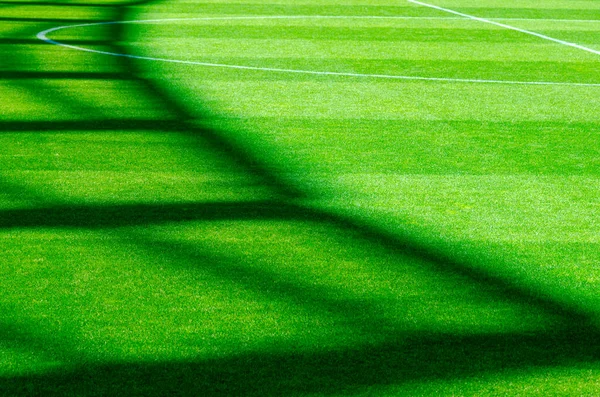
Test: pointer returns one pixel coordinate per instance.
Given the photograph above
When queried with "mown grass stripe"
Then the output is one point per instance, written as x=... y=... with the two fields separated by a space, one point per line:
x=510 y=27
x=371 y=35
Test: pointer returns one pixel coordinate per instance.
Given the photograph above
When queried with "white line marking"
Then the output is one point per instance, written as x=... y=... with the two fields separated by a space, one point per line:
x=547 y=20
x=502 y=25
x=44 y=37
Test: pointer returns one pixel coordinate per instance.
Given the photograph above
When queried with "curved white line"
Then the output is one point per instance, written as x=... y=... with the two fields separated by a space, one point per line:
x=43 y=35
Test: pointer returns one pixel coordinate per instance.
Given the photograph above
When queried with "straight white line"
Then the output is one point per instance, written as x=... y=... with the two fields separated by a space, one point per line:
x=548 y=20
x=502 y=25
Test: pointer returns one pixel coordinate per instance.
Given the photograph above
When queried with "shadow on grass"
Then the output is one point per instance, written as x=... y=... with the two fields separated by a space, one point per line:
x=417 y=357
x=98 y=217
x=111 y=216
x=404 y=358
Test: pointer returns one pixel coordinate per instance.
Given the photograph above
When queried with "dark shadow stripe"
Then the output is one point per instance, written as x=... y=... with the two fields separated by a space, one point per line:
x=62 y=5
x=30 y=75
x=91 y=125
x=53 y=20
x=110 y=216
x=418 y=357
x=12 y=41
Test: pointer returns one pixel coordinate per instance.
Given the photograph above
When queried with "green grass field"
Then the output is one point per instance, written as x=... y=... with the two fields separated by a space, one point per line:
x=300 y=198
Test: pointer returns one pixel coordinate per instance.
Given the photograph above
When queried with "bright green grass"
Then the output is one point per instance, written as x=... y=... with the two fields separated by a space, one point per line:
x=452 y=177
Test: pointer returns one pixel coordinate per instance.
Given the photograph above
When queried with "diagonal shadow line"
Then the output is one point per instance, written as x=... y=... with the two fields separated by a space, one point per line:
x=218 y=141
x=444 y=260
x=359 y=315
x=440 y=260
x=413 y=358
x=350 y=311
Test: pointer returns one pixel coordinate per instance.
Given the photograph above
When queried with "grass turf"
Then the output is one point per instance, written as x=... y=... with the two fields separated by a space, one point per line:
x=173 y=229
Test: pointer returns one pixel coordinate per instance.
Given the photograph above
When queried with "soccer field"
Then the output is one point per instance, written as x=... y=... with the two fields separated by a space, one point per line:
x=300 y=198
